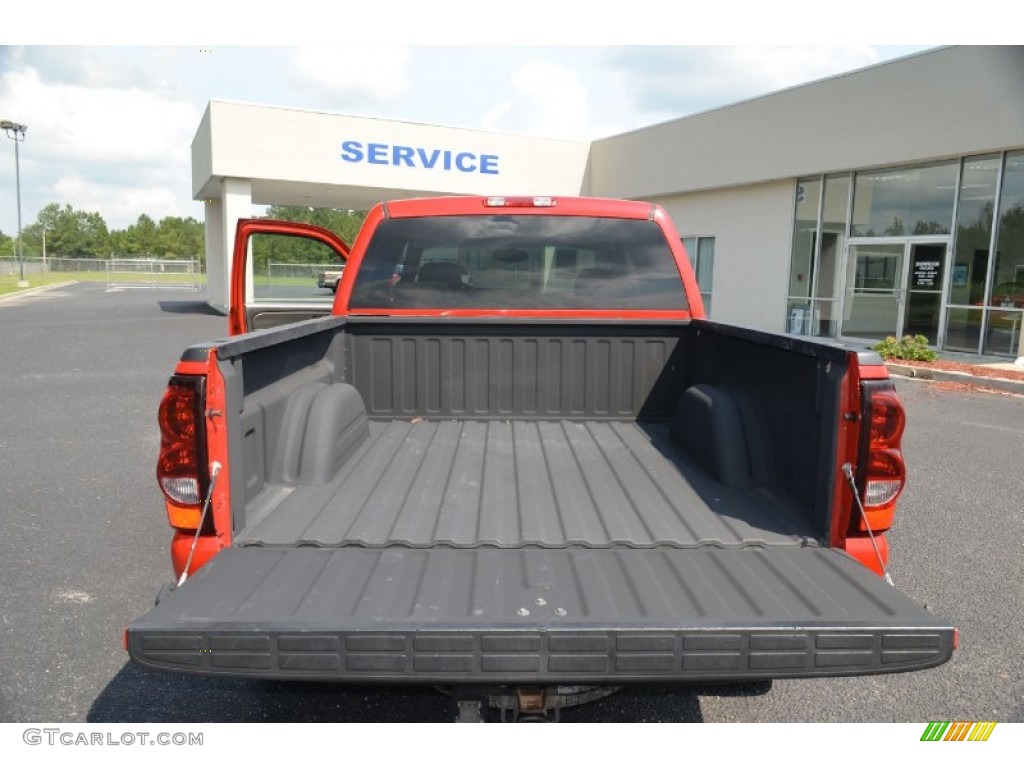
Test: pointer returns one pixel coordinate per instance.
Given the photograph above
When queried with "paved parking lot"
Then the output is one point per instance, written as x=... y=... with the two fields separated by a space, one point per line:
x=84 y=545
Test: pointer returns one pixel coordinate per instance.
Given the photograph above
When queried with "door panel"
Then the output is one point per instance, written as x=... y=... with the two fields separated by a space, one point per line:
x=283 y=272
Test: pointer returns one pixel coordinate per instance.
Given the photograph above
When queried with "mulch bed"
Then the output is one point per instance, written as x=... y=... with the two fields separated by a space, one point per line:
x=973 y=370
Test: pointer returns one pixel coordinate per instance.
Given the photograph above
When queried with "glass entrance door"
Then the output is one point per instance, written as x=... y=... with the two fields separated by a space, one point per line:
x=924 y=290
x=874 y=290
x=894 y=288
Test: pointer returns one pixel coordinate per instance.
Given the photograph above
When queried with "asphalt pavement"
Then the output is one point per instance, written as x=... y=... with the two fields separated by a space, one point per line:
x=84 y=545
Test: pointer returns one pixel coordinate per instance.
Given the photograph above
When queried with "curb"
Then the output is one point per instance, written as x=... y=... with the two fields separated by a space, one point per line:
x=927 y=374
x=34 y=291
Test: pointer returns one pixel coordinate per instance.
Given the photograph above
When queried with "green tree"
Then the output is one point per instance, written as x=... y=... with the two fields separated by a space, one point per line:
x=68 y=232
x=296 y=250
x=344 y=223
x=178 y=237
x=142 y=236
x=6 y=246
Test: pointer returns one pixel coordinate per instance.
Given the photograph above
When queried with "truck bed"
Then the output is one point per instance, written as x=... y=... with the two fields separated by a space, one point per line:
x=470 y=501
x=558 y=483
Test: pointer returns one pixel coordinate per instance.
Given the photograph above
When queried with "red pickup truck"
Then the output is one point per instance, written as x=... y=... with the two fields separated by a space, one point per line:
x=515 y=460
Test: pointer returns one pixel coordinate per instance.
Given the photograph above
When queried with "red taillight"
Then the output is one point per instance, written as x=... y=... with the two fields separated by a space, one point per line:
x=180 y=468
x=885 y=478
x=884 y=473
x=887 y=419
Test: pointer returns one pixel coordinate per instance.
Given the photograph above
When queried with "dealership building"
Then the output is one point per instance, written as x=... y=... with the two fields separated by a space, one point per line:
x=884 y=201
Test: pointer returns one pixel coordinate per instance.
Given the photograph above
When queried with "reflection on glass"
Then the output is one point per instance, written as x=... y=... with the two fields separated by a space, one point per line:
x=1003 y=334
x=799 y=320
x=833 y=228
x=828 y=265
x=963 y=329
x=509 y=261
x=824 y=318
x=804 y=318
x=805 y=228
x=293 y=269
x=974 y=229
x=878 y=267
x=907 y=201
x=923 y=311
x=1008 y=274
x=706 y=264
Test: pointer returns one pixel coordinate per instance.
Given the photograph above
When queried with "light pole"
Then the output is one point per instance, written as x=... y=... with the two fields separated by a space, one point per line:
x=16 y=132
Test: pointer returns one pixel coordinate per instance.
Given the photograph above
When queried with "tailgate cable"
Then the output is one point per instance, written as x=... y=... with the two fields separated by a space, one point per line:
x=214 y=471
x=848 y=471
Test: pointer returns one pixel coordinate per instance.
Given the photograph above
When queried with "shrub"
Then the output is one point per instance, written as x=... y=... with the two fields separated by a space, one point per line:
x=907 y=348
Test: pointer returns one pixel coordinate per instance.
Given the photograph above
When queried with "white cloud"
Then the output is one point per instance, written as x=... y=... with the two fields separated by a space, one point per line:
x=120 y=151
x=108 y=124
x=120 y=204
x=89 y=66
x=548 y=100
x=372 y=75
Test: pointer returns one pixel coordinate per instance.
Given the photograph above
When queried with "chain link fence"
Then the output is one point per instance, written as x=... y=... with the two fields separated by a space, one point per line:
x=154 y=273
x=116 y=272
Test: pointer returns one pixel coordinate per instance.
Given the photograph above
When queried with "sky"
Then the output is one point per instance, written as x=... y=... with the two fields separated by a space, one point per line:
x=110 y=126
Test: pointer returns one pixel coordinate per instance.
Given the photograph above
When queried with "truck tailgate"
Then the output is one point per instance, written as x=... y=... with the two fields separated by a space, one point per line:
x=530 y=614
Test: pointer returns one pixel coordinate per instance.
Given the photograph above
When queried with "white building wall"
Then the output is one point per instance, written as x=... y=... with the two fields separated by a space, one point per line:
x=218 y=268
x=933 y=105
x=233 y=202
x=752 y=227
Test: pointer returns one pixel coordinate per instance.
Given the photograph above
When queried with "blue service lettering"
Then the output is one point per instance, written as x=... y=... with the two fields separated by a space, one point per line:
x=399 y=155
x=377 y=154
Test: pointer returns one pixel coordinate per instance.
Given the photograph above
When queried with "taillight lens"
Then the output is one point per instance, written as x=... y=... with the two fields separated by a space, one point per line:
x=888 y=419
x=885 y=479
x=180 y=468
x=883 y=471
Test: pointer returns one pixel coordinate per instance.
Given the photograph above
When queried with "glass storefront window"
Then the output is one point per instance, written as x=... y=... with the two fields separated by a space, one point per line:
x=974 y=229
x=1002 y=335
x=805 y=231
x=963 y=329
x=833 y=229
x=701 y=252
x=933 y=274
x=799 y=319
x=900 y=202
x=824 y=318
x=1008 y=271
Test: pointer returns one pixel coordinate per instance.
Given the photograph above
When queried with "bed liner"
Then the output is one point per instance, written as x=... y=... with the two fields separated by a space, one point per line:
x=509 y=484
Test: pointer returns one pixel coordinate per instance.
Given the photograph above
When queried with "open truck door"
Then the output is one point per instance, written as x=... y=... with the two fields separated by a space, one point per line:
x=278 y=273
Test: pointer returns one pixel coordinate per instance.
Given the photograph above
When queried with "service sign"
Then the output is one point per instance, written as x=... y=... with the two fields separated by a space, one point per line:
x=425 y=158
